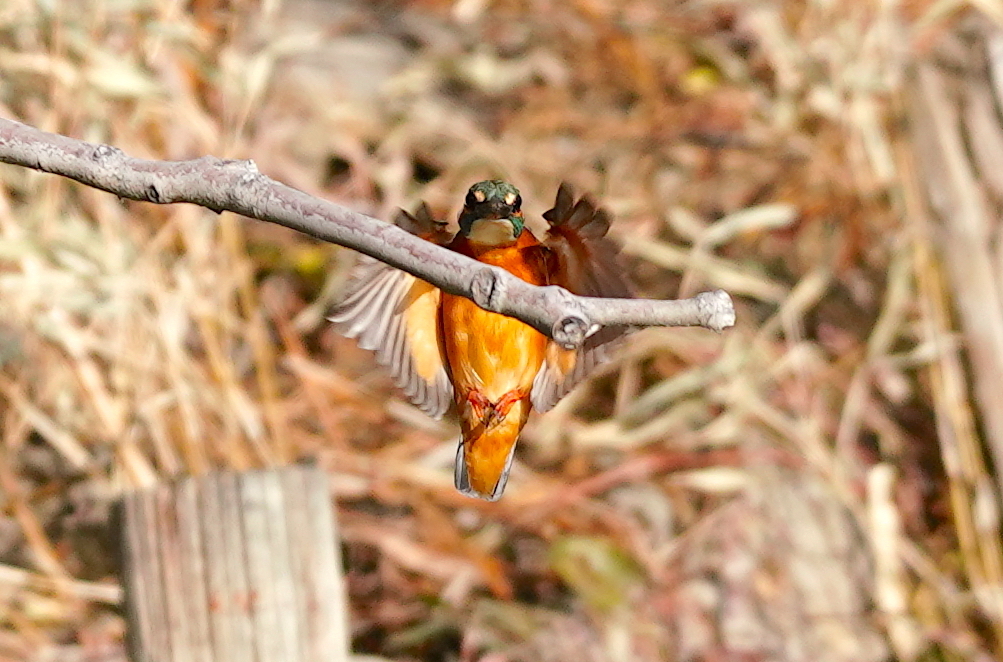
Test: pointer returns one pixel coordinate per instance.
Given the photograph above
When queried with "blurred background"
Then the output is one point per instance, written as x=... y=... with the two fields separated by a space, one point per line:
x=821 y=482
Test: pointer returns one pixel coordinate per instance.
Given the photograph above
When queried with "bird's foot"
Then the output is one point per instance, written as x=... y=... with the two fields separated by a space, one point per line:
x=491 y=413
x=503 y=406
x=478 y=406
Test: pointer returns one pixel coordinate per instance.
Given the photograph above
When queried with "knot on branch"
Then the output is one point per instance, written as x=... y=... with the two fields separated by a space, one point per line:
x=574 y=327
x=248 y=178
x=251 y=173
x=716 y=310
x=102 y=153
x=247 y=166
x=571 y=331
x=487 y=290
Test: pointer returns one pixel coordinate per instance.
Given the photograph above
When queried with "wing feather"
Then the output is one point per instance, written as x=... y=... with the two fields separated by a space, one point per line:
x=397 y=315
x=581 y=259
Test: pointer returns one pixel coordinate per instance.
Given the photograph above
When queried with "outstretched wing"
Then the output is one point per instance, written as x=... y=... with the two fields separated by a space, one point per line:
x=397 y=315
x=582 y=260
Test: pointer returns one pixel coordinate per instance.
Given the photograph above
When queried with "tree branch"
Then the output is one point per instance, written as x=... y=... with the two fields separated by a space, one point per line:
x=237 y=186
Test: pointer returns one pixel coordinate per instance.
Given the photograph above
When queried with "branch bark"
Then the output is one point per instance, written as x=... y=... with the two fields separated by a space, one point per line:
x=237 y=186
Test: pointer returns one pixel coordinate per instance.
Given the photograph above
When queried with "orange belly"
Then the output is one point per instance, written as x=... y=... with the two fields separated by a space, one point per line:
x=489 y=357
x=488 y=352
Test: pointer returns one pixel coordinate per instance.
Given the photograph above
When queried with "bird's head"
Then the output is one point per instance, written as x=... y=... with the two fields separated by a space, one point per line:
x=492 y=213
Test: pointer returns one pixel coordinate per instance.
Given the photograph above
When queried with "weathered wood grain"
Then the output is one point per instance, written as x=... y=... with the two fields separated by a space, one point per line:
x=234 y=567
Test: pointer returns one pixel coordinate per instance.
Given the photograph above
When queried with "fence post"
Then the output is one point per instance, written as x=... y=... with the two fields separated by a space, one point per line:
x=234 y=567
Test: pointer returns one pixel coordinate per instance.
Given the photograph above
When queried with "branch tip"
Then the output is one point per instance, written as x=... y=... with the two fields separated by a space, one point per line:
x=717 y=311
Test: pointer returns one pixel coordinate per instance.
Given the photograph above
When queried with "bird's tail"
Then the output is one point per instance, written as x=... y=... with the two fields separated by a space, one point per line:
x=484 y=458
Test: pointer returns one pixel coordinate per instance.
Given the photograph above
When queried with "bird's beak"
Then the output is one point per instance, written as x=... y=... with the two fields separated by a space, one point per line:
x=497 y=209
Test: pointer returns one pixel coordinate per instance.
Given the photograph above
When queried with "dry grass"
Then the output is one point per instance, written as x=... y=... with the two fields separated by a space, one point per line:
x=815 y=484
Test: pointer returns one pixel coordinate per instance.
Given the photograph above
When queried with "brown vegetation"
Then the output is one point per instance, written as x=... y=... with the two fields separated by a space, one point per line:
x=821 y=482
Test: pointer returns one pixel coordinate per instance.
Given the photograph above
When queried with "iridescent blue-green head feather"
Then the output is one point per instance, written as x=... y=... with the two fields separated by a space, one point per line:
x=492 y=213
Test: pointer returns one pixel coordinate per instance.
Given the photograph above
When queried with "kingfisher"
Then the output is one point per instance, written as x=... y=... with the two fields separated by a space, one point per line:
x=442 y=349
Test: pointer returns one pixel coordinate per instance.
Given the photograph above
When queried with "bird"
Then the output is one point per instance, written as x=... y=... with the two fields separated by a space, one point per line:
x=443 y=349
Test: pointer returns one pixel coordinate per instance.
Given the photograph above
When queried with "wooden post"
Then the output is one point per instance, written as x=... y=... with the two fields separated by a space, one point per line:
x=234 y=567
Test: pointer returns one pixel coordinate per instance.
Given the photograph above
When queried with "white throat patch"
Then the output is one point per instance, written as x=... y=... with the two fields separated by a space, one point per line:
x=491 y=232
